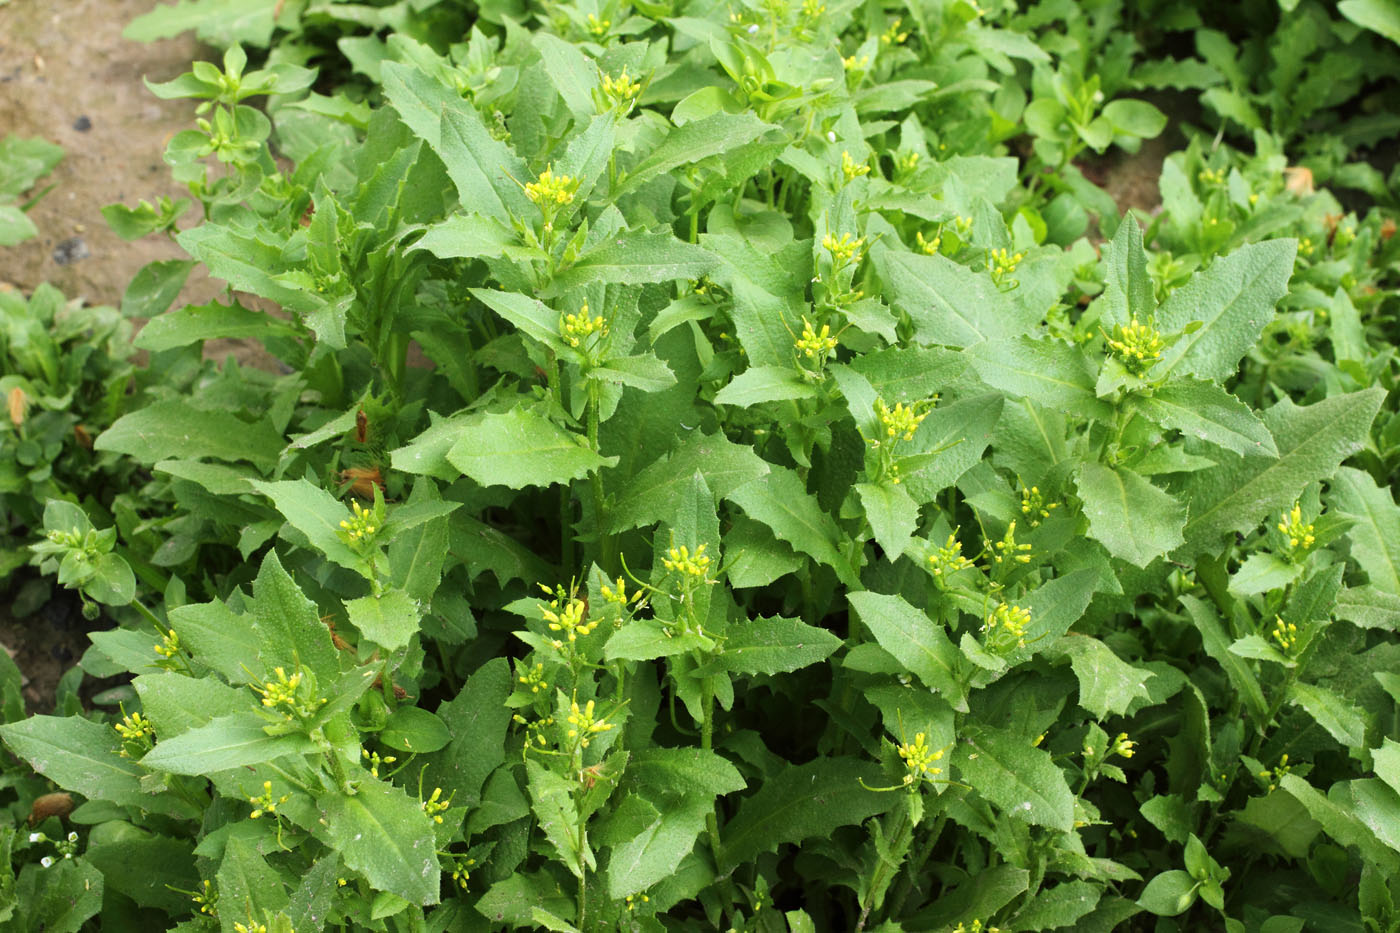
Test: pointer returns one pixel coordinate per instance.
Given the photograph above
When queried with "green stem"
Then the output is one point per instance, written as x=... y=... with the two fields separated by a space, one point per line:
x=595 y=480
x=707 y=735
x=882 y=867
x=915 y=867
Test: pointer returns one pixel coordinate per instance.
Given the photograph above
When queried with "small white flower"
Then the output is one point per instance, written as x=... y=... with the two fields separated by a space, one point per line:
x=831 y=136
x=46 y=861
x=753 y=29
x=72 y=837
x=36 y=837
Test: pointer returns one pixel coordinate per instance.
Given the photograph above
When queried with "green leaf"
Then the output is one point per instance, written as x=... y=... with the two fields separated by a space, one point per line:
x=176 y=429
x=1168 y=893
x=78 y=755
x=1064 y=905
x=948 y=303
x=1107 y=684
x=23 y=162
x=1387 y=763
x=218 y=22
x=315 y=513
x=696 y=140
x=1379 y=16
x=1218 y=646
x=289 y=625
x=773 y=646
x=635 y=258
x=1368 y=607
x=915 y=640
x=1237 y=496
x=245 y=878
x=477 y=719
x=781 y=501
x=1339 y=820
x=802 y=801
x=893 y=516
x=518 y=448
x=232 y=741
x=383 y=834
x=1134 y=519
x=1234 y=301
x=648 y=496
x=645 y=371
x=956 y=435
x=553 y=804
x=1134 y=118
x=759 y=384
x=218 y=637
x=176 y=703
x=689 y=772
x=1045 y=370
x=414 y=730
x=60 y=898
x=570 y=71
x=1375 y=534
x=153 y=289
x=1343 y=721
x=652 y=854
x=389 y=620
x=1205 y=411
x=15 y=226
x=1022 y=780
x=530 y=315
x=467 y=236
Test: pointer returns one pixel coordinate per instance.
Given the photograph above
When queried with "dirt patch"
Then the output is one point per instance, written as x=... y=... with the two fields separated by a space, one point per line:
x=1131 y=180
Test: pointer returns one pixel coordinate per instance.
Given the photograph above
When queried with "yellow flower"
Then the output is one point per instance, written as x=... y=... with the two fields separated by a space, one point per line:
x=550 y=189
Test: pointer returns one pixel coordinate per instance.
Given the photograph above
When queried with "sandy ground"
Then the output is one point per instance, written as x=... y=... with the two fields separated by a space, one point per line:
x=66 y=74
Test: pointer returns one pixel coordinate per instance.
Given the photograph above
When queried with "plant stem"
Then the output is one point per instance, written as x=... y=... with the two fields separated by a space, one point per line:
x=912 y=868
x=595 y=480
x=883 y=865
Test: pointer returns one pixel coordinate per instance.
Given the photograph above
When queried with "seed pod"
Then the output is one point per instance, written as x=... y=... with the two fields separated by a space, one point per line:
x=362 y=481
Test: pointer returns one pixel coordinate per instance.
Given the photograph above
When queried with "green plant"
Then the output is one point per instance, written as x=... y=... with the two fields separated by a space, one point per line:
x=22 y=163
x=802 y=526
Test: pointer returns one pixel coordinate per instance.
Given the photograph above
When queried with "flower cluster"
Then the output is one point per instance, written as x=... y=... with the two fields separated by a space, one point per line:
x=894 y=35
x=620 y=91
x=461 y=872
x=816 y=345
x=533 y=678
x=851 y=168
x=1298 y=532
x=1211 y=176
x=435 y=806
x=845 y=251
x=975 y=926
x=1286 y=634
x=206 y=899
x=265 y=803
x=375 y=760
x=551 y=190
x=1137 y=346
x=1007 y=548
x=633 y=900
x=1275 y=774
x=361 y=526
x=168 y=649
x=584 y=723
x=694 y=566
x=1034 y=506
x=253 y=927
x=930 y=245
x=577 y=327
x=899 y=422
x=534 y=731
x=137 y=735
x=919 y=759
x=949 y=558
x=617 y=595
x=293 y=696
x=1005 y=627
x=1001 y=263
x=569 y=616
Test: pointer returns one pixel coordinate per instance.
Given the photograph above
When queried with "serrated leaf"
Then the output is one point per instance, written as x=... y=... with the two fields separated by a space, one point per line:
x=1375 y=536
x=688 y=772
x=644 y=371
x=77 y=754
x=1107 y=684
x=1134 y=519
x=800 y=802
x=759 y=384
x=893 y=516
x=773 y=646
x=696 y=140
x=530 y=315
x=1234 y=300
x=233 y=741
x=651 y=855
x=635 y=258
x=383 y=834
x=518 y=448
x=1047 y=371
x=780 y=501
x=218 y=22
x=389 y=620
x=194 y=323
x=1237 y=497
x=1343 y=721
x=175 y=428
x=948 y=303
x=915 y=640
x=650 y=494
x=1022 y=780
x=1205 y=411
x=315 y=513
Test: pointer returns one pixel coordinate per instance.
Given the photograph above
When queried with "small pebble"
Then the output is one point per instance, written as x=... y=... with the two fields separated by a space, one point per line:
x=82 y=124
x=71 y=250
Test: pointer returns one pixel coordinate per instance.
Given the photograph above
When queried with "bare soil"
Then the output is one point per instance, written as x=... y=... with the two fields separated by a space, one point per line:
x=67 y=75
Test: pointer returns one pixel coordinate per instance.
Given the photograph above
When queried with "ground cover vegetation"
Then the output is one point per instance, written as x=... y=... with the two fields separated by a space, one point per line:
x=729 y=468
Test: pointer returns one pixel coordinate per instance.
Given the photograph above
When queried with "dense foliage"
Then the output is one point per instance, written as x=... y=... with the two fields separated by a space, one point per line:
x=729 y=468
